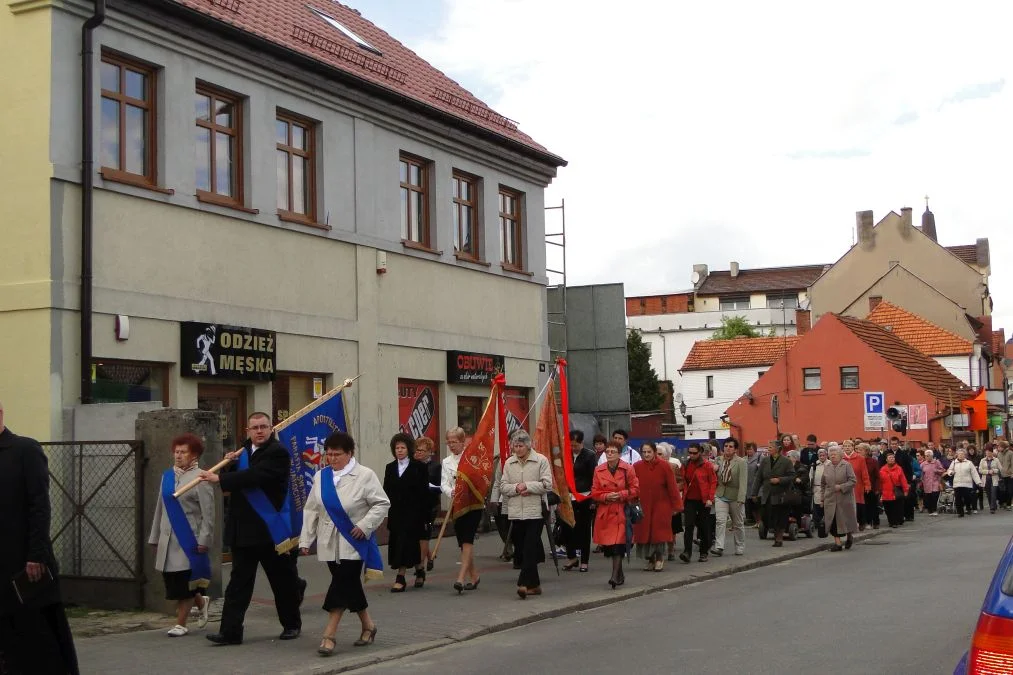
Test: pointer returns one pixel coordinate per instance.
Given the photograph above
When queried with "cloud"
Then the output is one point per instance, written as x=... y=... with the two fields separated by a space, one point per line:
x=710 y=132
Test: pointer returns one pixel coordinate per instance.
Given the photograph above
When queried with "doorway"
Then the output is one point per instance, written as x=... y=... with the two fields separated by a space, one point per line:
x=469 y=412
x=230 y=404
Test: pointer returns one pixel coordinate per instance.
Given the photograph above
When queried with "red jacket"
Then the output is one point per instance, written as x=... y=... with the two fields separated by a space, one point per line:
x=660 y=498
x=700 y=479
x=610 y=517
x=864 y=484
x=889 y=478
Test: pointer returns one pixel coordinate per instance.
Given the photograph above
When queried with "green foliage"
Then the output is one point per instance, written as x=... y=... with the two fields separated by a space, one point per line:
x=733 y=327
x=645 y=391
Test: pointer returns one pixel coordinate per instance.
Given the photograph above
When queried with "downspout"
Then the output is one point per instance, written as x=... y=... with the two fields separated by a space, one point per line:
x=87 y=190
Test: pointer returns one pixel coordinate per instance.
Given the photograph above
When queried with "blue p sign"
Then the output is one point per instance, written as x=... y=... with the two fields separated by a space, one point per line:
x=874 y=403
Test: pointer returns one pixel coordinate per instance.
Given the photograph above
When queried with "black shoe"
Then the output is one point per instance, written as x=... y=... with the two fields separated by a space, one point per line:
x=684 y=557
x=848 y=542
x=289 y=634
x=703 y=557
x=220 y=639
x=473 y=585
x=459 y=587
x=429 y=565
x=835 y=548
x=302 y=590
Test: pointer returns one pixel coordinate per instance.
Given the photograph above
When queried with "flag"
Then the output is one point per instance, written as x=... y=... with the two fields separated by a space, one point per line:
x=303 y=435
x=475 y=470
x=564 y=400
x=548 y=442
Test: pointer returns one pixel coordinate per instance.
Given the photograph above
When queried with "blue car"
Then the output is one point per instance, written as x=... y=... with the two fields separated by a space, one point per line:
x=991 y=651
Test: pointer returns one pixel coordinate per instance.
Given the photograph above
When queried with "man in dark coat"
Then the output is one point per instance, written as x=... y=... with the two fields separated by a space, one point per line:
x=34 y=636
x=578 y=537
x=249 y=538
x=773 y=478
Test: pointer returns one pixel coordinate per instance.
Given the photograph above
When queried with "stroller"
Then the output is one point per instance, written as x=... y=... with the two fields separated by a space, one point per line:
x=947 y=502
x=800 y=520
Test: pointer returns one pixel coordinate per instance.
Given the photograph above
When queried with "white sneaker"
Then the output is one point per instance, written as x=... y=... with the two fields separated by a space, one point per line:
x=202 y=613
x=933 y=514
x=178 y=631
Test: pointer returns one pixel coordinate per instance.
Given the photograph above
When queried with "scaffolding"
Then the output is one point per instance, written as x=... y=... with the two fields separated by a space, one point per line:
x=555 y=241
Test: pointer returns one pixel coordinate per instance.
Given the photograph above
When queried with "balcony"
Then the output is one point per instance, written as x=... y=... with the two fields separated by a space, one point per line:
x=762 y=318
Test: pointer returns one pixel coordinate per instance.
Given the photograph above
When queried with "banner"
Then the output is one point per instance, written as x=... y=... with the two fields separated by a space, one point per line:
x=564 y=400
x=516 y=401
x=475 y=470
x=418 y=409
x=549 y=443
x=303 y=435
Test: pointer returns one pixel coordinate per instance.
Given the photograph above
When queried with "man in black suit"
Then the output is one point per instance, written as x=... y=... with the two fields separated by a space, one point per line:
x=248 y=535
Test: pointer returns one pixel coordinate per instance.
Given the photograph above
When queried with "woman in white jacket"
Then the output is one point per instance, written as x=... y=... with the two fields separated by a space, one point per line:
x=526 y=478
x=360 y=506
x=817 y=483
x=991 y=473
x=965 y=477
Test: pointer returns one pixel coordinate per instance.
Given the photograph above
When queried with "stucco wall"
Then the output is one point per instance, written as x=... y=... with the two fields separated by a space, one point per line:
x=729 y=384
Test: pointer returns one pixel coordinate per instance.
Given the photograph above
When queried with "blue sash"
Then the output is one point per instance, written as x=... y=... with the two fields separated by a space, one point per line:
x=200 y=563
x=279 y=523
x=366 y=548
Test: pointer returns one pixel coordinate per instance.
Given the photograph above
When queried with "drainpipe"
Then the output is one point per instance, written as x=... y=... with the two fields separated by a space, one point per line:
x=87 y=190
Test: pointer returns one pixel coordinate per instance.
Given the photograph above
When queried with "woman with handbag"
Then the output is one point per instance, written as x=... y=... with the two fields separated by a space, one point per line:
x=893 y=487
x=659 y=499
x=614 y=487
x=839 y=512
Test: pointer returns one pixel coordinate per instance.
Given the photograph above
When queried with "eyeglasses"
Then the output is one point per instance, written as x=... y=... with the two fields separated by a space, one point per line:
x=260 y=427
x=693 y=454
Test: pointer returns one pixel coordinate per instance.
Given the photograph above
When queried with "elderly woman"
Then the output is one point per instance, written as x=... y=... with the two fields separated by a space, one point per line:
x=932 y=471
x=345 y=506
x=871 y=515
x=893 y=487
x=863 y=484
x=989 y=471
x=182 y=531
x=424 y=453
x=773 y=478
x=660 y=499
x=406 y=482
x=817 y=481
x=730 y=498
x=965 y=479
x=526 y=479
x=838 y=484
x=614 y=486
x=666 y=451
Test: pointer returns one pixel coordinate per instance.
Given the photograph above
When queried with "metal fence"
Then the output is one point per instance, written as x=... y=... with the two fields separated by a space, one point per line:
x=96 y=493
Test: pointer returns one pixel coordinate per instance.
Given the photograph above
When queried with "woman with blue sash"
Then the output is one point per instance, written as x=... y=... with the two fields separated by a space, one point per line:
x=343 y=510
x=181 y=533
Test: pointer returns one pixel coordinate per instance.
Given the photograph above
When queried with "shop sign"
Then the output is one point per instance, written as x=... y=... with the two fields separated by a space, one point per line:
x=418 y=409
x=472 y=368
x=214 y=351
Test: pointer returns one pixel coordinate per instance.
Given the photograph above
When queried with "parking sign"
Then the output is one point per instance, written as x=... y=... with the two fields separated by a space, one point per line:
x=875 y=410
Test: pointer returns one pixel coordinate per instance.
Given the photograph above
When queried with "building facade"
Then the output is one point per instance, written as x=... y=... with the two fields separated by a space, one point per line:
x=283 y=197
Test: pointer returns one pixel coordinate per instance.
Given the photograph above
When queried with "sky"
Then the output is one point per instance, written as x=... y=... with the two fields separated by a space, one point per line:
x=712 y=132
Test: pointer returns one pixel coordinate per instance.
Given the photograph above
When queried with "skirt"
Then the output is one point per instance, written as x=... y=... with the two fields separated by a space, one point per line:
x=466 y=526
x=177 y=586
x=345 y=591
x=614 y=550
x=647 y=551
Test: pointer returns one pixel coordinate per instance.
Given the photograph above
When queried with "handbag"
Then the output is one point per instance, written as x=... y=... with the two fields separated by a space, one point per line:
x=633 y=511
x=898 y=492
x=821 y=529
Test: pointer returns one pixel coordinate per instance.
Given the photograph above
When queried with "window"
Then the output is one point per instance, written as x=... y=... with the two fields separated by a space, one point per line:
x=760 y=374
x=128 y=120
x=689 y=419
x=788 y=301
x=295 y=165
x=510 y=227
x=710 y=386
x=346 y=32
x=734 y=303
x=414 y=201
x=466 y=216
x=849 y=377
x=712 y=435
x=811 y=379
x=129 y=382
x=219 y=146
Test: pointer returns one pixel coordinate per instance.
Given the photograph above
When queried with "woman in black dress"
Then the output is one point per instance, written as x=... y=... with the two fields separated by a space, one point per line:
x=406 y=483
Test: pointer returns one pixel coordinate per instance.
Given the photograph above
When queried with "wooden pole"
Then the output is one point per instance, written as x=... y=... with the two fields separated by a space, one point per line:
x=197 y=481
x=439 y=539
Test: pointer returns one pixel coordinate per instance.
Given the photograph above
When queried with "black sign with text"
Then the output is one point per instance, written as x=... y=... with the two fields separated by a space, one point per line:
x=472 y=368
x=220 y=352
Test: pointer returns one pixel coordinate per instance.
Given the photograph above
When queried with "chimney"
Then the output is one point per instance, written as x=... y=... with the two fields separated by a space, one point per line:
x=866 y=234
x=982 y=252
x=803 y=321
x=699 y=274
x=874 y=301
x=929 y=224
x=734 y=269
x=905 y=217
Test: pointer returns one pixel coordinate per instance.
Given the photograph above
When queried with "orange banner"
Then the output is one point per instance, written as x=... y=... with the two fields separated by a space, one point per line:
x=475 y=471
x=549 y=442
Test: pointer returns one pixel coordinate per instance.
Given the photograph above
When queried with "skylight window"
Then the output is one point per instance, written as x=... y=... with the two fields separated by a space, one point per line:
x=347 y=33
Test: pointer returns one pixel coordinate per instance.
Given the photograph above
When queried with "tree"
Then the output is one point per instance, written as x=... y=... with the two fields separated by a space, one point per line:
x=645 y=392
x=733 y=327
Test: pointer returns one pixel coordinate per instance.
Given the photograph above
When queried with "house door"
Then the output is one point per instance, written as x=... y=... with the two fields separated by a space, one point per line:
x=469 y=412
x=230 y=404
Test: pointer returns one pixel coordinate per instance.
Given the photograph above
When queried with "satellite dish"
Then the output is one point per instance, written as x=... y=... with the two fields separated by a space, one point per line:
x=694 y=278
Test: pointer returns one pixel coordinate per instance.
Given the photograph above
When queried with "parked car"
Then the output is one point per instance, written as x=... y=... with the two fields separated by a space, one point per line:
x=991 y=650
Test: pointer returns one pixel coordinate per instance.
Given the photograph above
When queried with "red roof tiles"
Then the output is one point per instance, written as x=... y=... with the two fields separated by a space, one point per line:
x=926 y=337
x=293 y=25
x=761 y=280
x=968 y=253
x=738 y=353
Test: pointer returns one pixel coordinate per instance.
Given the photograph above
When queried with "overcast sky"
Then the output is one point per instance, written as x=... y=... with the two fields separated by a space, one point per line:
x=704 y=132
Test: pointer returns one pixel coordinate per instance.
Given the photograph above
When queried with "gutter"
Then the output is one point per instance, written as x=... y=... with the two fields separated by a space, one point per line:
x=87 y=190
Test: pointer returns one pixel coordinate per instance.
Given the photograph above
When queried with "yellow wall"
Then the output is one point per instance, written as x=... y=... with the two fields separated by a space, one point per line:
x=25 y=330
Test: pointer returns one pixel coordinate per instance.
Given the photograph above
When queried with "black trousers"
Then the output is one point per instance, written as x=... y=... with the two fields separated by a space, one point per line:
x=284 y=585
x=776 y=517
x=931 y=501
x=696 y=516
x=964 y=497
x=979 y=495
x=578 y=537
x=894 y=512
x=528 y=550
x=871 y=509
x=37 y=641
x=911 y=502
x=1006 y=491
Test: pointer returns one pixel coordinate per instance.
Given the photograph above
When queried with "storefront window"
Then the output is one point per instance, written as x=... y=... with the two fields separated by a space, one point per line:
x=129 y=382
x=294 y=391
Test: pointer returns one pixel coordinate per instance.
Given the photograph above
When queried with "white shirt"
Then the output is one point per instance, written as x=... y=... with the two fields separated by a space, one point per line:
x=402 y=466
x=448 y=475
x=627 y=455
x=344 y=472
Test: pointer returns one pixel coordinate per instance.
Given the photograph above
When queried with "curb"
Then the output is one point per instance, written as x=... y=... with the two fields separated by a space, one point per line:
x=465 y=635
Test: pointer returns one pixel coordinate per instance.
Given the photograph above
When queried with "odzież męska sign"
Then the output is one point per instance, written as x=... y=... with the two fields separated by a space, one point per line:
x=472 y=368
x=226 y=352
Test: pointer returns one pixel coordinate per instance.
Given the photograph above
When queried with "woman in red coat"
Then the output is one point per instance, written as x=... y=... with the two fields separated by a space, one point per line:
x=660 y=498
x=893 y=487
x=615 y=484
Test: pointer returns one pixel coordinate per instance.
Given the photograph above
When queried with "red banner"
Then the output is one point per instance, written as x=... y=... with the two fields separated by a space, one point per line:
x=419 y=409
x=549 y=443
x=564 y=399
x=475 y=471
x=517 y=408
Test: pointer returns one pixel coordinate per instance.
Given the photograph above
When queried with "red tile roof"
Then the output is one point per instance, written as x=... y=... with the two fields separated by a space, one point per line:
x=924 y=370
x=292 y=25
x=968 y=253
x=926 y=337
x=761 y=280
x=738 y=353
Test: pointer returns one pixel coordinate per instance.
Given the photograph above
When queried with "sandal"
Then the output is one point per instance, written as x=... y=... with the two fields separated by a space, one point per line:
x=570 y=566
x=327 y=651
x=583 y=568
x=363 y=641
x=420 y=577
x=400 y=585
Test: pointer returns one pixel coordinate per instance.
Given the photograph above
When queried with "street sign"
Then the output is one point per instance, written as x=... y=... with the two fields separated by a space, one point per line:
x=875 y=410
x=775 y=409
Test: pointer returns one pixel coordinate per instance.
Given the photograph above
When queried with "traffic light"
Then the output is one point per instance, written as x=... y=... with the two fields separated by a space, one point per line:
x=898 y=418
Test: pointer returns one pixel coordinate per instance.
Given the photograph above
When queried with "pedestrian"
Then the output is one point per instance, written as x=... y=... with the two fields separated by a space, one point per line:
x=965 y=479
x=526 y=480
x=34 y=634
x=659 y=499
x=730 y=498
x=978 y=497
x=701 y=484
x=629 y=455
x=817 y=482
x=932 y=470
x=345 y=507
x=615 y=486
x=810 y=453
x=893 y=487
x=839 y=494
x=773 y=479
x=578 y=537
x=258 y=482
x=598 y=443
x=871 y=510
x=990 y=474
x=465 y=524
x=424 y=453
x=863 y=482
x=406 y=482
x=181 y=533
x=666 y=451
x=753 y=458
x=1005 y=457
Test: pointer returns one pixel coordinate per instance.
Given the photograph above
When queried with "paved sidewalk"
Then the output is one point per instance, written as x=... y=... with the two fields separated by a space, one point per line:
x=417 y=620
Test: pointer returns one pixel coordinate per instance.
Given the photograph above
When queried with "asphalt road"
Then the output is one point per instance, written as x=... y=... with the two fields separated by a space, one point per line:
x=905 y=602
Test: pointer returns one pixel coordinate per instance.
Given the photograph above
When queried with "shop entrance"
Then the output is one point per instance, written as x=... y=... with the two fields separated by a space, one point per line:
x=230 y=404
x=469 y=412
